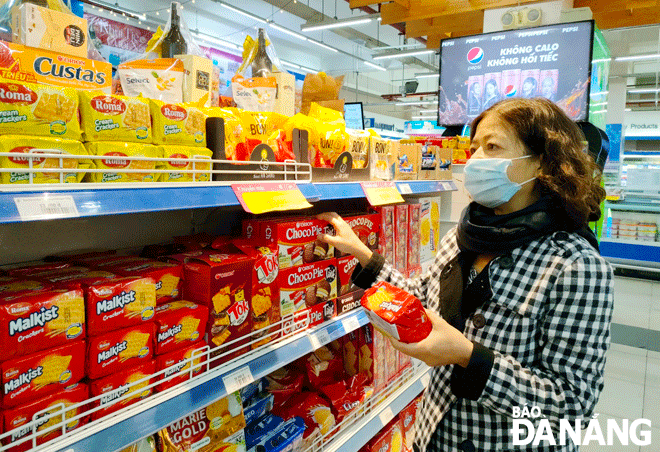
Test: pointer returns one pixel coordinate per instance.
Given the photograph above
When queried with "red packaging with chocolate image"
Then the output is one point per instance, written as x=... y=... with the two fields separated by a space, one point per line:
x=308 y=285
x=386 y=235
x=297 y=241
x=345 y=266
x=366 y=227
x=401 y=238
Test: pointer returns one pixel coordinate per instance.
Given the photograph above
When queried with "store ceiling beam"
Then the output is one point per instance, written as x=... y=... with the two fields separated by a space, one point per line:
x=615 y=5
x=627 y=18
x=362 y=3
x=445 y=24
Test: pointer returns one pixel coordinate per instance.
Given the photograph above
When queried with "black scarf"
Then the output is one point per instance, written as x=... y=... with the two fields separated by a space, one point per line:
x=481 y=231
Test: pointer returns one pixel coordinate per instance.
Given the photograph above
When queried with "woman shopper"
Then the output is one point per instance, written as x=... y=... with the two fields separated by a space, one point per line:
x=519 y=297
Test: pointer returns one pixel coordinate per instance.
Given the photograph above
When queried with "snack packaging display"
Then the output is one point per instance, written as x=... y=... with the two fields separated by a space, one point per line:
x=119 y=350
x=178 y=324
x=345 y=266
x=307 y=285
x=25 y=146
x=366 y=227
x=288 y=437
x=429 y=227
x=407 y=417
x=372 y=350
x=396 y=435
x=347 y=395
x=47 y=67
x=180 y=360
x=351 y=353
x=213 y=425
x=258 y=407
x=196 y=78
x=179 y=161
x=251 y=390
x=22 y=415
x=10 y=286
x=161 y=79
x=256 y=431
x=314 y=410
x=320 y=87
x=37 y=267
x=40 y=320
x=236 y=147
x=386 y=236
x=380 y=157
x=323 y=368
x=413 y=252
x=31 y=109
x=406 y=165
x=114 y=118
x=261 y=127
x=181 y=124
x=297 y=240
x=33 y=376
x=255 y=94
x=396 y=313
x=117 y=385
x=358 y=146
x=382 y=442
x=115 y=161
x=118 y=303
x=401 y=238
x=283 y=384
x=165 y=275
x=429 y=162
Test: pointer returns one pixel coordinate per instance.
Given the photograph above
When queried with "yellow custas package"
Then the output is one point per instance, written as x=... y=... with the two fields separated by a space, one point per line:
x=178 y=162
x=115 y=118
x=180 y=124
x=115 y=161
x=23 y=146
x=50 y=111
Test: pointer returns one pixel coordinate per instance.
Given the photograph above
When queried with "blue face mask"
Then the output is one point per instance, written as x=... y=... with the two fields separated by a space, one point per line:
x=487 y=182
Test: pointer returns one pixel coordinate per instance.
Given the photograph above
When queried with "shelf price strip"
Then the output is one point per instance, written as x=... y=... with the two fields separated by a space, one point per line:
x=46 y=207
x=270 y=197
x=381 y=193
x=238 y=379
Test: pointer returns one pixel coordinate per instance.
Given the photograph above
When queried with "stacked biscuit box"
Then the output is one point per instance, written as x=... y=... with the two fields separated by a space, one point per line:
x=399 y=237
x=398 y=435
x=429 y=227
x=413 y=265
x=401 y=223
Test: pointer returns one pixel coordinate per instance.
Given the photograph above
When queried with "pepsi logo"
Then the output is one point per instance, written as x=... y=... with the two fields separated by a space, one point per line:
x=510 y=91
x=475 y=55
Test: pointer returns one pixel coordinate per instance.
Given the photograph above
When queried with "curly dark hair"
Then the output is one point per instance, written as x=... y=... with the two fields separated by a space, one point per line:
x=567 y=170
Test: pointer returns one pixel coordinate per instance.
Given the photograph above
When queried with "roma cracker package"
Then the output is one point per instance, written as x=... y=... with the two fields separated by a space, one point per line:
x=181 y=124
x=48 y=111
x=40 y=320
x=119 y=350
x=115 y=161
x=115 y=118
x=180 y=161
x=40 y=374
x=24 y=146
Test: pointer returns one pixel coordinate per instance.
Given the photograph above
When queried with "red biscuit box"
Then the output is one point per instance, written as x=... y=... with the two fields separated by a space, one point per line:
x=129 y=385
x=351 y=353
x=310 y=317
x=178 y=361
x=401 y=238
x=407 y=417
x=40 y=320
x=307 y=285
x=414 y=240
x=382 y=442
x=119 y=350
x=348 y=302
x=297 y=240
x=178 y=324
x=345 y=267
x=40 y=374
x=386 y=236
x=221 y=280
x=17 y=417
x=166 y=276
x=366 y=227
x=39 y=267
x=103 y=261
x=372 y=356
x=10 y=286
x=78 y=280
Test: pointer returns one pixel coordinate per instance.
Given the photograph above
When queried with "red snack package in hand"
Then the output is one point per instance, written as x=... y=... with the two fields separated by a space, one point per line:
x=396 y=313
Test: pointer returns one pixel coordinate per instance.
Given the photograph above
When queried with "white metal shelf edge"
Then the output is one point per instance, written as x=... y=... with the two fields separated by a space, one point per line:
x=145 y=418
x=357 y=436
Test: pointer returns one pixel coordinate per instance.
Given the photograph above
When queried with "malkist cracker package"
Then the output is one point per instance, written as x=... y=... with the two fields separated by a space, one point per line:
x=41 y=110
x=23 y=415
x=179 y=124
x=297 y=241
x=180 y=360
x=119 y=350
x=307 y=285
x=39 y=321
x=115 y=160
x=38 y=267
x=119 y=385
x=10 y=286
x=40 y=374
x=114 y=118
x=396 y=313
x=165 y=275
x=178 y=324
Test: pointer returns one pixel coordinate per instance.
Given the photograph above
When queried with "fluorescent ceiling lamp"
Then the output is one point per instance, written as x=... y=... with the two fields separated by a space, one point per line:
x=428 y=75
x=289 y=32
x=643 y=91
x=244 y=13
x=407 y=53
x=117 y=9
x=338 y=23
x=638 y=57
x=602 y=93
x=600 y=60
x=320 y=44
x=598 y=104
x=628 y=109
x=221 y=42
x=598 y=112
x=375 y=66
x=297 y=66
x=412 y=103
x=424 y=117
x=428 y=111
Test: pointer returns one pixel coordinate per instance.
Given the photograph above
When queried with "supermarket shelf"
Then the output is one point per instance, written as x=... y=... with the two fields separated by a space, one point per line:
x=143 y=419
x=625 y=252
x=633 y=207
x=356 y=436
x=127 y=198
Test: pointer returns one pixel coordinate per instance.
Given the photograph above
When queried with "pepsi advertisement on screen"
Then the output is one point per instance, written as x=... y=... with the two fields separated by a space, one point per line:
x=551 y=61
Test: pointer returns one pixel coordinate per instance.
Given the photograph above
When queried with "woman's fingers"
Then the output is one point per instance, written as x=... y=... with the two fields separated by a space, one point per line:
x=331 y=217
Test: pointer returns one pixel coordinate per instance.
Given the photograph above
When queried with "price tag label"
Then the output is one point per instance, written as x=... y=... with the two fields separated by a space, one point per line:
x=381 y=193
x=46 y=207
x=270 y=197
x=405 y=189
x=238 y=379
x=350 y=324
x=319 y=338
x=386 y=416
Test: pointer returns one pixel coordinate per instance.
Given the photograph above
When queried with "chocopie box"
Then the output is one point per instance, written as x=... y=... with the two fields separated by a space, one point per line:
x=222 y=280
x=119 y=350
x=414 y=240
x=345 y=266
x=307 y=285
x=17 y=417
x=178 y=324
x=297 y=240
x=349 y=301
x=366 y=227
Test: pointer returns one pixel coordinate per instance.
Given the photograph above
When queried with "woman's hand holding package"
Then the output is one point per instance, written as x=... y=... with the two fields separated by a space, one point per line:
x=345 y=240
x=445 y=345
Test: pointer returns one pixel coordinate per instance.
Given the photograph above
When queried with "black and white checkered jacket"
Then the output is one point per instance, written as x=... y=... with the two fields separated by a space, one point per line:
x=542 y=335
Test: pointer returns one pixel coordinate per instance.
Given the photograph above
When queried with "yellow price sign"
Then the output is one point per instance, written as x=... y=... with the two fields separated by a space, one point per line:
x=270 y=197
x=381 y=193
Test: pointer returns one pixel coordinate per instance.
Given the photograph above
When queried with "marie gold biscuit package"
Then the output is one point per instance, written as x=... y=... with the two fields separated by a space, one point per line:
x=179 y=124
x=116 y=159
x=119 y=350
x=114 y=118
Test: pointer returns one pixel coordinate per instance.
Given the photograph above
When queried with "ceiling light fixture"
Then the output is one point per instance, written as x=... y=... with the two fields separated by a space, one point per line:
x=423 y=117
x=428 y=75
x=401 y=104
x=289 y=32
x=375 y=66
x=600 y=60
x=244 y=13
x=338 y=23
x=407 y=53
x=602 y=93
x=320 y=44
x=643 y=90
x=116 y=9
x=221 y=42
x=428 y=111
x=638 y=57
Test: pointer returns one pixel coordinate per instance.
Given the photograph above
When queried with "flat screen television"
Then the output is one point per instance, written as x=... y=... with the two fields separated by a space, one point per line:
x=552 y=61
x=354 y=115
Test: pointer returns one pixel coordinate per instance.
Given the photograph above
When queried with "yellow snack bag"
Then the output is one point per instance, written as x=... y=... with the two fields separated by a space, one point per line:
x=178 y=156
x=332 y=142
x=50 y=111
x=358 y=145
x=115 y=161
x=26 y=145
x=325 y=114
x=115 y=118
x=235 y=138
x=259 y=125
x=178 y=124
